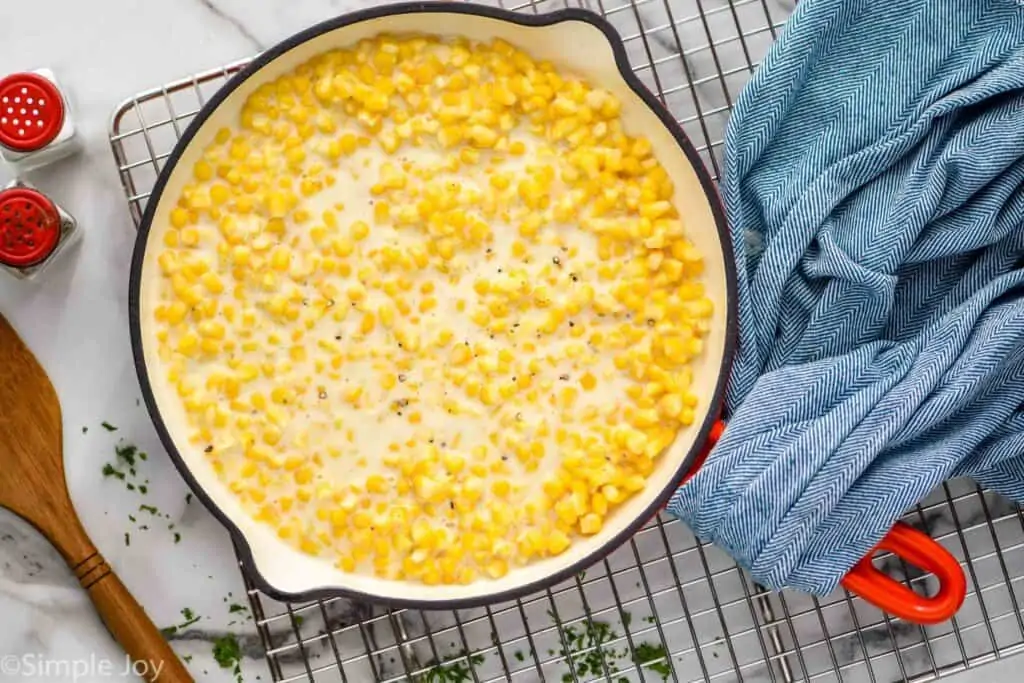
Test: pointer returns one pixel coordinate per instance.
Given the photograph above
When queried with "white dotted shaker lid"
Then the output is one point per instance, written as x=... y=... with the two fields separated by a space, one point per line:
x=31 y=112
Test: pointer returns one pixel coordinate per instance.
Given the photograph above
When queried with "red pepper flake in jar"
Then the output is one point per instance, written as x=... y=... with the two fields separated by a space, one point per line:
x=33 y=230
x=35 y=123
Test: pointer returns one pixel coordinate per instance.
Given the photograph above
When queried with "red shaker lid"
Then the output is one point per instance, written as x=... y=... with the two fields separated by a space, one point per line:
x=31 y=112
x=29 y=227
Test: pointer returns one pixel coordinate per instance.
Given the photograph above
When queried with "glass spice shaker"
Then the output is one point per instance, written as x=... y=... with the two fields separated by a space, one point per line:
x=34 y=231
x=35 y=122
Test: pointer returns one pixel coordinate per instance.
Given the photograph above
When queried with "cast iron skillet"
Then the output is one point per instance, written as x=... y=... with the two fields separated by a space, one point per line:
x=575 y=40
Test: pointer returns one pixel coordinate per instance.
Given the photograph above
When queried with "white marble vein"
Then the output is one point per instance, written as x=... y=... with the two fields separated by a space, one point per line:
x=75 y=320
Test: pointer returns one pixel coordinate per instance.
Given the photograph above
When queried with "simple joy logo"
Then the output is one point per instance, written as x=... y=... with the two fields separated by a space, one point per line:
x=33 y=666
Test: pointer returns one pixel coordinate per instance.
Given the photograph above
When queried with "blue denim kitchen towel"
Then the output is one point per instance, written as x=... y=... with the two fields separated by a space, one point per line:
x=873 y=184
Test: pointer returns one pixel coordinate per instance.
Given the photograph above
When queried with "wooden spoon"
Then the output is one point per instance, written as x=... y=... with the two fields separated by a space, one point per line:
x=32 y=485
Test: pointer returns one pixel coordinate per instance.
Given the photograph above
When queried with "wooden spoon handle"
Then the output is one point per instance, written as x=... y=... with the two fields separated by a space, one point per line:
x=153 y=658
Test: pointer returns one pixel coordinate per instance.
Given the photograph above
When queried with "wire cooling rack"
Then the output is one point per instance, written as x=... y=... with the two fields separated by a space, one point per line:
x=663 y=606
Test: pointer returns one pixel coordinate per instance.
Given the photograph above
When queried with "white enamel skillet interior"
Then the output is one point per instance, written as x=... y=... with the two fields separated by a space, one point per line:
x=577 y=42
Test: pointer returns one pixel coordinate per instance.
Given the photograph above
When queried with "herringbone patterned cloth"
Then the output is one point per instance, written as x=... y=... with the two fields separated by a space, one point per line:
x=873 y=183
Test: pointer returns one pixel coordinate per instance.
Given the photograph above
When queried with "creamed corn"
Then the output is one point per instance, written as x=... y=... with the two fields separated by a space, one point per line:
x=430 y=311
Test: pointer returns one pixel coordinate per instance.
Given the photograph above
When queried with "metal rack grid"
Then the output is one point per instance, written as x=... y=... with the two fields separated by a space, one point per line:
x=664 y=606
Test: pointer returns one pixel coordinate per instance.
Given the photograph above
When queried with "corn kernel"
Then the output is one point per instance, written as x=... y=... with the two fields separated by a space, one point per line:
x=359 y=231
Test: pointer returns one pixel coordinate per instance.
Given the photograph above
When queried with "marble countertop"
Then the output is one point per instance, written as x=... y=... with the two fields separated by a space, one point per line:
x=75 y=320
x=169 y=551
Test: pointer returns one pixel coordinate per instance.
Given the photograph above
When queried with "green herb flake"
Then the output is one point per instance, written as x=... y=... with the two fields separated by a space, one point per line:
x=651 y=656
x=188 y=498
x=190 y=618
x=127 y=538
x=150 y=509
x=177 y=537
x=187 y=659
x=109 y=427
x=126 y=452
x=584 y=654
x=111 y=471
x=226 y=651
x=457 y=668
x=235 y=607
x=518 y=654
x=85 y=430
x=143 y=490
x=168 y=631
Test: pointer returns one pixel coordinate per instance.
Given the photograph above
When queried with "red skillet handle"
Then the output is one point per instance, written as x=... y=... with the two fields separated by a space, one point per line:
x=713 y=436
x=873 y=586
x=895 y=598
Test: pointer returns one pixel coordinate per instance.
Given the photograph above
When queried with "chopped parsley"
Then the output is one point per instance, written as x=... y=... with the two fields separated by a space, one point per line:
x=111 y=471
x=123 y=468
x=85 y=430
x=457 y=668
x=109 y=427
x=190 y=618
x=584 y=653
x=228 y=654
x=150 y=509
x=653 y=657
x=126 y=452
x=127 y=538
x=177 y=537
x=235 y=607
